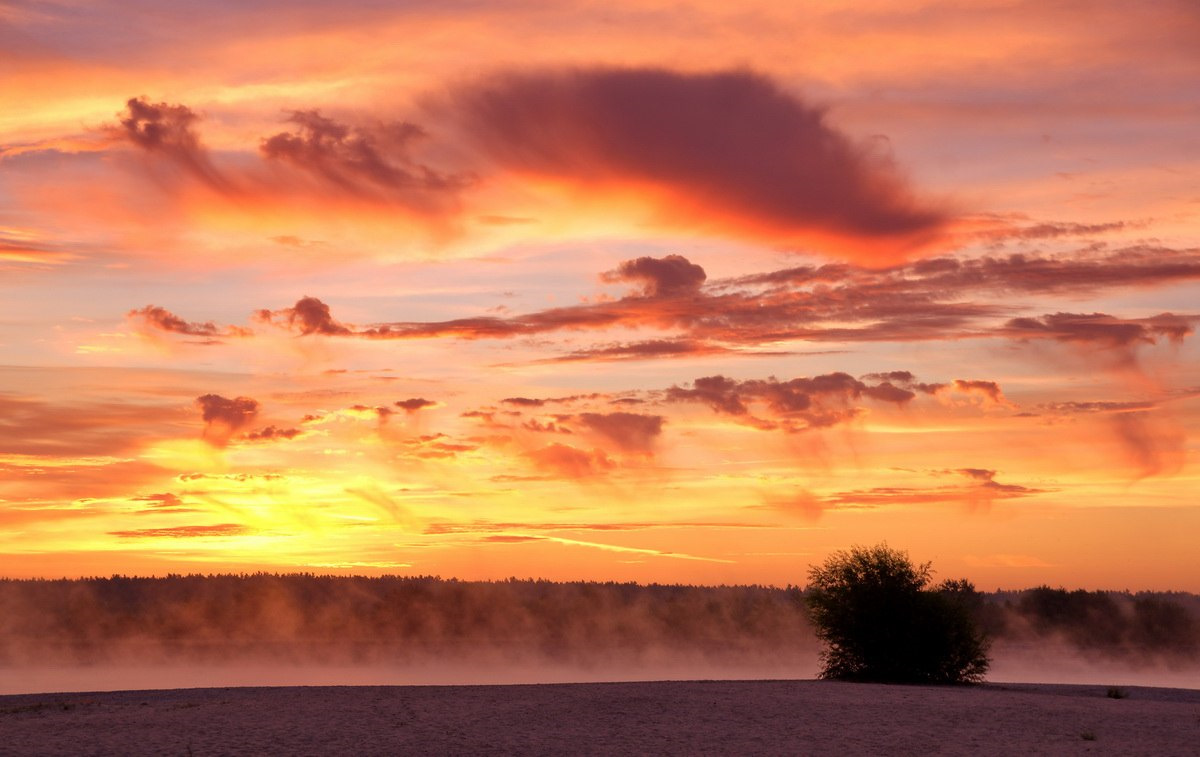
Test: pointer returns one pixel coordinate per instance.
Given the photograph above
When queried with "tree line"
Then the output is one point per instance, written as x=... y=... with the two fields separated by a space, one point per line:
x=324 y=618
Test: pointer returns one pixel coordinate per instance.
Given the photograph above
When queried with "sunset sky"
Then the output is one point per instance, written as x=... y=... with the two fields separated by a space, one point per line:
x=626 y=290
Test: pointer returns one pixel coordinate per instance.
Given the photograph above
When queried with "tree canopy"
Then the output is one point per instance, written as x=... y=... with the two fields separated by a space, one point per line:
x=880 y=620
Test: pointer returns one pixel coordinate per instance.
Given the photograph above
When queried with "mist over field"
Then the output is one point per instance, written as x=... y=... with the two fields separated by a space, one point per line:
x=264 y=629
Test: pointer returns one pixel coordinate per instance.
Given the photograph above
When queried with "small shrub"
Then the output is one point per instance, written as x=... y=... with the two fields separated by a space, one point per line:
x=1088 y=735
x=1116 y=692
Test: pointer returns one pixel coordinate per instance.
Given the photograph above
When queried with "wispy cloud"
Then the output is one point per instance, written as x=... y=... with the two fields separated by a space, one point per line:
x=517 y=538
x=219 y=530
x=925 y=301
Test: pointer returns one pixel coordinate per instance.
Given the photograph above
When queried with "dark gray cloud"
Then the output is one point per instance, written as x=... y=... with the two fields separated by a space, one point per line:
x=223 y=416
x=795 y=405
x=372 y=160
x=731 y=148
x=413 y=404
x=308 y=316
x=938 y=299
x=152 y=318
x=1102 y=329
x=669 y=276
x=169 y=130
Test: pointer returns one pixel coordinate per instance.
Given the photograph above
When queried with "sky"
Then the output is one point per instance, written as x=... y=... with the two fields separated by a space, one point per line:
x=640 y=291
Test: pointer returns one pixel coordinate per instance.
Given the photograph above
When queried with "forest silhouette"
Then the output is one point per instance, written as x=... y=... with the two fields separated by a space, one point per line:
x=307 y=618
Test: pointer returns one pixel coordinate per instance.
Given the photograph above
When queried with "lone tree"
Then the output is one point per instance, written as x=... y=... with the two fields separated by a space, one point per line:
x=881 y=621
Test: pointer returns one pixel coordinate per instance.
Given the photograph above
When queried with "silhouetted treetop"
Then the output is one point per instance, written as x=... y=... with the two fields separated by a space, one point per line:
x=880 y=621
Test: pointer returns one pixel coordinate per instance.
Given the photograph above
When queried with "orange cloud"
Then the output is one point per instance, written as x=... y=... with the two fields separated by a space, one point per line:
x=656 y=348
x=153 y=318
x=981 y=491
x=989 y=390
x=164 y=502
x=20 y=248
x=1153 y=445
x=184 y=532
x=73 y=429
x=631 y=432
x=565 y=461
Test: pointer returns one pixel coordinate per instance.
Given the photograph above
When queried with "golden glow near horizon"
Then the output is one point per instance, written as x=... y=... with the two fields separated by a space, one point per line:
x=636 y=293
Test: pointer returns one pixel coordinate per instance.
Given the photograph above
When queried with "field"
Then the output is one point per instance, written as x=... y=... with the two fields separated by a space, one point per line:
x=669 y=717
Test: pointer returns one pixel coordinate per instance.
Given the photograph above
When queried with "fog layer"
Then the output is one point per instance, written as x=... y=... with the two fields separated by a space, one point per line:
x=180 y=631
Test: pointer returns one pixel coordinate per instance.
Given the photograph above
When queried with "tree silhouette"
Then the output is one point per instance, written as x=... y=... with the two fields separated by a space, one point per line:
x=880 y=621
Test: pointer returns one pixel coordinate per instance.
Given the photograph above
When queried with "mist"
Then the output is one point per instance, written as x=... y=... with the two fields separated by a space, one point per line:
x=270 y=630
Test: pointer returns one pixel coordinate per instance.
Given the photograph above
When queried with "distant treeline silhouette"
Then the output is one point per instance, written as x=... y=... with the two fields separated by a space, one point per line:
x=306 y=618
x=1111 y=623
x=337 y=619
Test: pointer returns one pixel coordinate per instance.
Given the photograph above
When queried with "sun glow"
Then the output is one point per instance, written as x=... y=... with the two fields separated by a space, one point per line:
x=599 y=293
